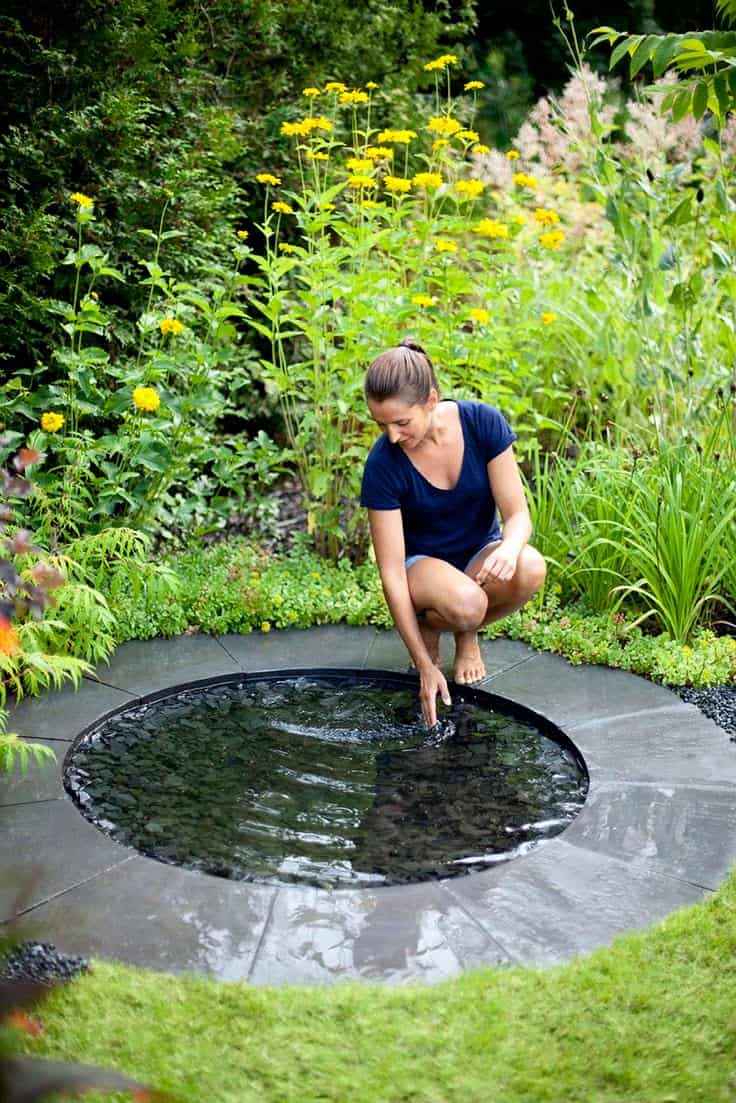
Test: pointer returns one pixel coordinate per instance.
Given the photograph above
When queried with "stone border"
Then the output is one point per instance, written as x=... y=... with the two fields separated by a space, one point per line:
x=658 y=832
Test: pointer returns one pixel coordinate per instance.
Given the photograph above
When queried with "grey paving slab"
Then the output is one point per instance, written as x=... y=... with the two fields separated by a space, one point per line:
x=145 y=666
x=681 y=831
x=329 y=645
x=568 y=694
x=160 y=917
x=42 y=781
x=389 y=653
x=671 y=744
x=49 y=847
x=561 y=901
x=416 y=932
x=62 y=714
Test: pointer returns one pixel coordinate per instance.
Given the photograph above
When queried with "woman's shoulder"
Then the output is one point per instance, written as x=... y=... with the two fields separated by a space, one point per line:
x=488 y=424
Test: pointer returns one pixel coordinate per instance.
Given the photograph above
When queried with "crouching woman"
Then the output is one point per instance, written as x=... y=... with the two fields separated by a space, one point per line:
x=432 y=485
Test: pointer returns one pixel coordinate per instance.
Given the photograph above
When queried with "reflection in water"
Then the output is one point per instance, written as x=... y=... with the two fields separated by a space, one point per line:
x=328 y=782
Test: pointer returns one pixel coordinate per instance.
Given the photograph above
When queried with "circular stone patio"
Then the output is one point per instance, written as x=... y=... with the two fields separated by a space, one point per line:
x=657 y=832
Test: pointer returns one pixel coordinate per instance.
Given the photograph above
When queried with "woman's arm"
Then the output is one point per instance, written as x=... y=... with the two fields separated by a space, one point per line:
x=508 y=494
x=387 y=534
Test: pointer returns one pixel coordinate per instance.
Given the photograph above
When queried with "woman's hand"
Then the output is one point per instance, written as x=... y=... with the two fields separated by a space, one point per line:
x=499 y=566
x=431 y=682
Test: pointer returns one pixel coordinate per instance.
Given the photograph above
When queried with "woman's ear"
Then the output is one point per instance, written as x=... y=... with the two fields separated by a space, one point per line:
x=433 y=399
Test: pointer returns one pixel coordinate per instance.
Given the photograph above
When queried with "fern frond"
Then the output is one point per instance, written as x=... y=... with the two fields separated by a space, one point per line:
x=14 y=750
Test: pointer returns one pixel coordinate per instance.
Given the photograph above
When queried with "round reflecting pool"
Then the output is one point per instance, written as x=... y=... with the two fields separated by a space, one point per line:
x=326 y=778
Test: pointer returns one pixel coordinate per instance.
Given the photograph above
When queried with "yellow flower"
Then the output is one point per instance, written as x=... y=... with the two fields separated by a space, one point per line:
x=82 y=200
x=473 y=84
x=444 y=245
x=370 y=203
x=282 y=208
x=318 y=122
x=427 y=180
x=265 y=627
x=522 y=180
x=361 y=181
x=242 y=234
x=370 y=85
x=553 y=239
x=512 y=155
x=359 y=164
x=312 y=156
x=315 y=574
x=478 y=314
x=334 y=86
x=291 y=615
x=397 y=184
x=94 y=295
x=9 y=642
x=444 y=124
x=277 y=599
x=491 y=227
x=171 y=325
x=378 y=153
x=546 y=216
x=471 y=188
x=440 y=143
x=441 y=62
x=548 y=317
x=146 y=398
x=481 y=149
x=423 y=300
x=402 y=136
x=353 y=97
x=467 y=135
x=51 y=422
x=286 y=248
x=311 y=92
x=268 y=178
x=292 y=130
x=327 y=206
x=519 y=219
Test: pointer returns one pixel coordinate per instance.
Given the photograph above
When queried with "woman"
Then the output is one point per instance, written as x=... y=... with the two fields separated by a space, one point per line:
x=431 y=485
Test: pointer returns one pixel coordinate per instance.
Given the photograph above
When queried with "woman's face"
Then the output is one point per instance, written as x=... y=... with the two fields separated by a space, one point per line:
x=404 y=423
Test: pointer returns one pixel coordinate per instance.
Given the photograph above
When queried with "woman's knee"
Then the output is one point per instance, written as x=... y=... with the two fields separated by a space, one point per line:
x=532 y=571
x=468 y=609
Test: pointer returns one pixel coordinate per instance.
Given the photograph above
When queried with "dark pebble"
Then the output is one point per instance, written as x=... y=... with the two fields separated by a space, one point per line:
x=41 y=962
x=716 y=702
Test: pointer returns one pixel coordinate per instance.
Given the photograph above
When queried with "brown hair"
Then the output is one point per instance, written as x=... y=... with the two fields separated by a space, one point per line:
x=404 y=372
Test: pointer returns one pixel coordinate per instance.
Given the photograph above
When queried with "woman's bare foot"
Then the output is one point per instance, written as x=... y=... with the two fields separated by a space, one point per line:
x=469 y=666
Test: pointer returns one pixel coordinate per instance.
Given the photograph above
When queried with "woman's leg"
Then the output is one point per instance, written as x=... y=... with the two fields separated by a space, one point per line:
x=506 y=597
x=448 y=600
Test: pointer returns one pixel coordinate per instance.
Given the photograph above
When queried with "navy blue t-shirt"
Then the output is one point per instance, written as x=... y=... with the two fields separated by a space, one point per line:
x=447 y=524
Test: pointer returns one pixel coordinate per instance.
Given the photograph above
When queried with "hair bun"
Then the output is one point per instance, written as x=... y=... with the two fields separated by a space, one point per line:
x=410 y=343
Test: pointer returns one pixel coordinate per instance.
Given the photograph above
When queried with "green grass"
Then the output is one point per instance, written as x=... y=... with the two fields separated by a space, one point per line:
x=650 y=1019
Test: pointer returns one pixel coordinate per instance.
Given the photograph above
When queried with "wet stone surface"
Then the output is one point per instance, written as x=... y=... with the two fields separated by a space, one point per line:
x=328 y=782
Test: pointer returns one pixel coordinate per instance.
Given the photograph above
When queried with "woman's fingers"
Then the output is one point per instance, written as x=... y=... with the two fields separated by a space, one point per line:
x=432 y=684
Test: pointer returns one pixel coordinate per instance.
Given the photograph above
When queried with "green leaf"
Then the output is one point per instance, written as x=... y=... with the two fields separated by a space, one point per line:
x=628 y=46
x=681 y=106
x=681 y=213
x=700 y=99
x=642 y=54
x=668 y=47
x=723 y=96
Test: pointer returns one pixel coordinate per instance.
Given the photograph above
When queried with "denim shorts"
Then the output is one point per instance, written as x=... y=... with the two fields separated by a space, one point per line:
x=412 y=559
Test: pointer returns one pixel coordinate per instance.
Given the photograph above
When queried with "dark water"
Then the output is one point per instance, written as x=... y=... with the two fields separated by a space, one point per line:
x=328 y=784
